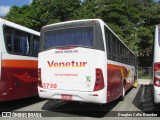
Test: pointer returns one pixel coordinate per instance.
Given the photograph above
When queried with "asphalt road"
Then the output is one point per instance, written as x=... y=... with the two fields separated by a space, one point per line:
x=138 y=103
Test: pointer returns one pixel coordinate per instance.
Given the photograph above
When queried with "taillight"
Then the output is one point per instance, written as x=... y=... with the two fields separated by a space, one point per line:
x=39 y=78
x=157 y=74
x=99 y=83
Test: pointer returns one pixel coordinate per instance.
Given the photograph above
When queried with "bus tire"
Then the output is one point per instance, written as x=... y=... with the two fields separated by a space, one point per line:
x=123 y=93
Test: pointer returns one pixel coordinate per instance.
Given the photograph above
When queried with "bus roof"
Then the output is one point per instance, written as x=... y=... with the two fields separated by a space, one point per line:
x=16 y=26
x=72 y=21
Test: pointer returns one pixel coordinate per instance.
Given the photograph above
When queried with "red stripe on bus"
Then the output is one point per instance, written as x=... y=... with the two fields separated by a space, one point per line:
x=20 y=63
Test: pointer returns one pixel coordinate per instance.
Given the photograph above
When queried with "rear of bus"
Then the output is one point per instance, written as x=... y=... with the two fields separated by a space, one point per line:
x=156 y=65
x=72 y=63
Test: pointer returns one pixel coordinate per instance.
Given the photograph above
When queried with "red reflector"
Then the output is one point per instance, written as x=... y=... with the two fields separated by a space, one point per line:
x=39 y=78
x=99 y=82
x=157 y=66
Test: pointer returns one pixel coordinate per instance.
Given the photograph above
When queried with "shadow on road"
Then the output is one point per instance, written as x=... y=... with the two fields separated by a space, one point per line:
x=78 y=109
x=64 y=108
x=17 y=104
x=144 y=99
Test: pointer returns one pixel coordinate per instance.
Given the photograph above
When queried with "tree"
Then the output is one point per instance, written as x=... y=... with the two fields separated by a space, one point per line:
x=43 y=12
x=122 y=17
x=86 y=11
x=24 y=16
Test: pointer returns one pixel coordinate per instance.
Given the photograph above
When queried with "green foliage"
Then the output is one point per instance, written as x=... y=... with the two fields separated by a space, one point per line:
x=86 y=11
x=132 y=20
x=42 y=12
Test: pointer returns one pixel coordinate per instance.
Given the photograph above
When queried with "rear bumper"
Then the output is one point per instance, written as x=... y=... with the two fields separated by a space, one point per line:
x=90 y=97
x=156 y=94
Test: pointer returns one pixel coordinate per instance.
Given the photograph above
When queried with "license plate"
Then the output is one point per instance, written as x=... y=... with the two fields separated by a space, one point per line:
x=66 y=97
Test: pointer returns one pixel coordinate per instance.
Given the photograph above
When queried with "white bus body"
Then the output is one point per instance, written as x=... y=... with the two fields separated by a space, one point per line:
x=73 y=63
x=156 y=65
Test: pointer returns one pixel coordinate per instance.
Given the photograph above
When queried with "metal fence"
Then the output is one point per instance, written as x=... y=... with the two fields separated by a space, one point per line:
x=145 y=73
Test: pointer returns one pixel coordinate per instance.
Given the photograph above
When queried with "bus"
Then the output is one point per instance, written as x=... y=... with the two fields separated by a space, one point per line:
x=85 y=61
x=156 y=65
x=19 y=48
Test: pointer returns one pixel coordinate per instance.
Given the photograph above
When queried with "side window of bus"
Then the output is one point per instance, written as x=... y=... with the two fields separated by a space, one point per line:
x=125 y=55
x=21 y=42
x=108 y=43
x=114 y=47
x=35 y=46
x=8 y=33
x=118 y=50
x=110 y=46
x=111 y=43
x=17 y=42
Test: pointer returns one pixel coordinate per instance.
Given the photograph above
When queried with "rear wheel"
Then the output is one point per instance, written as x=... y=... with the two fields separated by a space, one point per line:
x=123 y=93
